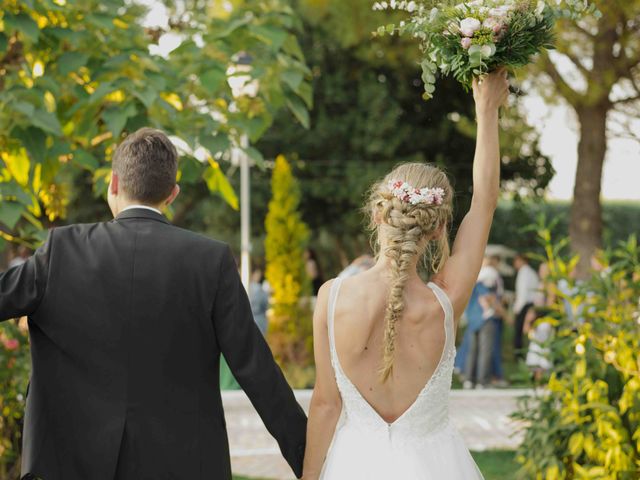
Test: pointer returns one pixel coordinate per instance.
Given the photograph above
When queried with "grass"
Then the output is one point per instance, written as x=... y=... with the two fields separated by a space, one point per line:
x=494 y=465
x=497 y=464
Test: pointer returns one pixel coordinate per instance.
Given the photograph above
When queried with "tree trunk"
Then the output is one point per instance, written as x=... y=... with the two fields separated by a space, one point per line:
x=585 y=230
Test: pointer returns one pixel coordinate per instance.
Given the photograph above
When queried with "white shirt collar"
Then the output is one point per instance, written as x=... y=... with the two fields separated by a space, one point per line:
x=130 y=207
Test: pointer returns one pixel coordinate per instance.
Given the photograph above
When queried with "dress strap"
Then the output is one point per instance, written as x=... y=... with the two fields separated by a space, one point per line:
x=331 y=312
x=443 y=298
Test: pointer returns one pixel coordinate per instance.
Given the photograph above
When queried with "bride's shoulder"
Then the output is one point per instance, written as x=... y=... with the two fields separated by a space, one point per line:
x=453 y=292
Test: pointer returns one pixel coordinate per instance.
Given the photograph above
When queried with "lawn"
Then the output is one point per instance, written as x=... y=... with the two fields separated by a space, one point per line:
x=495 y=465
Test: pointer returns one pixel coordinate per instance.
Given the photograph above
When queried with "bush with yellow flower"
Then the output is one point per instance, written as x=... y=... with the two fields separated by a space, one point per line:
x=585 y=422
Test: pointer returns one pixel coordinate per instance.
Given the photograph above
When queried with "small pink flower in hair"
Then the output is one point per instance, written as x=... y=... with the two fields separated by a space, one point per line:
x=408 y=194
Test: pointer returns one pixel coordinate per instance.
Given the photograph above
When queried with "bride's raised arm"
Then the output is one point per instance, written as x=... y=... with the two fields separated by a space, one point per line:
x=460 y=272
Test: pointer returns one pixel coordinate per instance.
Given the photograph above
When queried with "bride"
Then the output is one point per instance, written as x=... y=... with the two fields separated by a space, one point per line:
x=385 y=342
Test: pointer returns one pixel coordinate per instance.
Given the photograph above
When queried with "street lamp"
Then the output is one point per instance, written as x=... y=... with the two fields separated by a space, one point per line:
x=242 y=84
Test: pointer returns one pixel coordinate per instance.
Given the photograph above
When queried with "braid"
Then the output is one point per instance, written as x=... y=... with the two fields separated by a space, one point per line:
x=408 y=232
x=405 y=235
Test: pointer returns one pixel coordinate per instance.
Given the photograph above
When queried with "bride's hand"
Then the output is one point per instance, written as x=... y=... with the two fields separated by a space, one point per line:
x=491 y=92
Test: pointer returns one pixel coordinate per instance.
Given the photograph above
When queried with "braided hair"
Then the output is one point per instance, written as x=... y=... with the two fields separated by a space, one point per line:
x=409 y=232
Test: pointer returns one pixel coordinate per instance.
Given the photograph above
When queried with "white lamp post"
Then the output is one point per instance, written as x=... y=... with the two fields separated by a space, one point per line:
x=243 y=85
x=245 y=214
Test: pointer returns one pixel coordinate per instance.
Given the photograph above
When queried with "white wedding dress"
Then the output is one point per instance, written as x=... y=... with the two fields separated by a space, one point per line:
x=421 y=444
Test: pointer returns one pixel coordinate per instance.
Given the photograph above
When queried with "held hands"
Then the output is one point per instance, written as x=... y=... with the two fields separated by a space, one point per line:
x=491 y=92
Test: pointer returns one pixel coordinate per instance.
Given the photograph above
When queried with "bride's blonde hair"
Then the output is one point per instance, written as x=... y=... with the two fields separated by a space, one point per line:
x=410 y=232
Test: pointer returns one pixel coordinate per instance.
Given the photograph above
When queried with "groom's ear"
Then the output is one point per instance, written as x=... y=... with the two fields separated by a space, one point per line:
x=172 y=197
x=114 y=184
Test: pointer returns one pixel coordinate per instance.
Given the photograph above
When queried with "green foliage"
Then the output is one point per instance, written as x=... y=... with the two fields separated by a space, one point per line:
x=78 y=75
x=14 y=376
x=290 y=326
x=512 y=219
x=586 y=423
x=369 y=116
x=496 y=464
x=505 y=34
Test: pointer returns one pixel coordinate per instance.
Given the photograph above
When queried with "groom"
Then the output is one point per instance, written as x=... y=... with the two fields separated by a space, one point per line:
x=127 y=322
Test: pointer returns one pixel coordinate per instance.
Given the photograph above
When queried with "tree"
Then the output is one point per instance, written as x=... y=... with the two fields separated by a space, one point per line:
x=78 y=75
x=604 y=53
x=287 y=237
x=368 y=116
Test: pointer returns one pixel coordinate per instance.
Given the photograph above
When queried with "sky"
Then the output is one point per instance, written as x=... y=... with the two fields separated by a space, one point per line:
x=558 y=127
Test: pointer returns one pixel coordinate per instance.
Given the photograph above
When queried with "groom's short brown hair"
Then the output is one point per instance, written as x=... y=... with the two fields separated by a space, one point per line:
x=146 y=163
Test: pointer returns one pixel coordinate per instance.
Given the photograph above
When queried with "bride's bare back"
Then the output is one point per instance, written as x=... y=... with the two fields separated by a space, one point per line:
x=389 y=328
x=359 y=330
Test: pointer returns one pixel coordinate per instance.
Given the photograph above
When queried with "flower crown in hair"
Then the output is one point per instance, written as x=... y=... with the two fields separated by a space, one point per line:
x=408 y=194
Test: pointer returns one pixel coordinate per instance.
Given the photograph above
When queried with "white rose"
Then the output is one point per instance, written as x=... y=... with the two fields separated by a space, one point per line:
x=469 y=26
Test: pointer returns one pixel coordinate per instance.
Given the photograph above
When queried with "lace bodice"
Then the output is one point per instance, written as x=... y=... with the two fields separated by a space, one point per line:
x=429 y=414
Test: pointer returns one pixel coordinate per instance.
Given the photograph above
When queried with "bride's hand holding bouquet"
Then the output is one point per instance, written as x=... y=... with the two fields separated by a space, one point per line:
x=490 y=93
x=470 y=39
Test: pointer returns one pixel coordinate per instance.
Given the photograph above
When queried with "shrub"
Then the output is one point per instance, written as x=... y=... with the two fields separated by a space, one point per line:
x=15 y=365
x=586 y=423
x=290 y=326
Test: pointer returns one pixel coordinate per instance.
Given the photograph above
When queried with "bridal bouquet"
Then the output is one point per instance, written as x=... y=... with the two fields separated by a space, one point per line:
x=471 y=39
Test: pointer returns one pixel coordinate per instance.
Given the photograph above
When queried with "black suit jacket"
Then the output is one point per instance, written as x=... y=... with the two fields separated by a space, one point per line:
x=127 y=322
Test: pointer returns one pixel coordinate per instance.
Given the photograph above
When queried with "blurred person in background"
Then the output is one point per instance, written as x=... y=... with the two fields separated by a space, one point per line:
x=22 y=253
x=481 y=332
x=259 y=299
x=491 y=278
x=539 y=332
x=314 y=272
x=527 y=287
x=359 y=265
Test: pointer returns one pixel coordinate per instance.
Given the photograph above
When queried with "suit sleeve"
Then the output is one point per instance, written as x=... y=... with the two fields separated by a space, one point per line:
x=22 y=287
x=253 y=365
